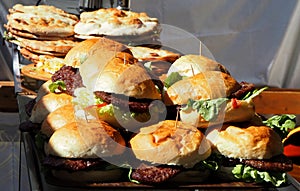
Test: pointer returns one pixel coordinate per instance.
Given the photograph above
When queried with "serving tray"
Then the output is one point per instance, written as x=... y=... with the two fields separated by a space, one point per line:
x=42 y=180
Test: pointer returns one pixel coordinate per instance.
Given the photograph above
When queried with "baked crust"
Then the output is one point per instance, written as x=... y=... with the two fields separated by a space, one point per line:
x=204 y=85
x=252 y=142
x=114 y=22
x=170 y=142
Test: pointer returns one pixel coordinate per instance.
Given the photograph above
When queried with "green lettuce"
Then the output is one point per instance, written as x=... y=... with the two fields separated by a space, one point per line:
x=282 y=124
x=172 y=79
x=57 y=86
x=249 y=174
x=208 y=109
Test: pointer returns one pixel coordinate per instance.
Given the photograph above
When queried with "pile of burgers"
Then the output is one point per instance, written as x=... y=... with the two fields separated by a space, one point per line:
x=117 y=112
x=112 y=119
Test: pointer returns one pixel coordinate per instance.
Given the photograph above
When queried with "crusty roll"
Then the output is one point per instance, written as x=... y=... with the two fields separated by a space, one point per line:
x=78 y=54
x=205 y=85
x=85 y=139
x=57 y=119
x=170 y=142
x=47 y=104
x=123 y=75
x=191 y=64
x=98 y=56
x=233 y=111
x=252 y=142
x=43 y=90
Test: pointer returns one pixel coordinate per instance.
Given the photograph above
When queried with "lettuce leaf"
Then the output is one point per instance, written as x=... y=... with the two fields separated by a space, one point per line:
x=57 y=86
x=172 y=79
x=208 y=109
x=249 y=174
x=282 y=124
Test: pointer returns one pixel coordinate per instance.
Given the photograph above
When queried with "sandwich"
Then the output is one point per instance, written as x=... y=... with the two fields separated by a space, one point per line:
x=249 y=153
x=169 y=151
x=82 y=151
x=117 y=88
x=210 y=98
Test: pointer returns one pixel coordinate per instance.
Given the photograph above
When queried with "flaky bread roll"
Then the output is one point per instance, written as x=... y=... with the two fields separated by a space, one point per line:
x=232 y=111
x=47 y=104
x=85 y=139
x=191 y=64
x=57 y=119
x=170 y=142
x=205 y=85
x=252 y=142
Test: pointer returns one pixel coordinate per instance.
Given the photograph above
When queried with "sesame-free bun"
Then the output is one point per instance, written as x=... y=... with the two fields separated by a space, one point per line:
x=85 y=139
x=191 y=64
x=76 y=56
x=57 y=119
x=204 y=85
x=251 y=142
x=170 y=142
x=244 y=111
x=47 y=104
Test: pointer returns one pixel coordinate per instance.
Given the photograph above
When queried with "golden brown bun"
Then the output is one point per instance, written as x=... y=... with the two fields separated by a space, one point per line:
x=123 y=75
x=85 y=139
x=47 y=104
x=76 y=56
x=98 y=56
x=252 y=142
x=244 y=112
x=191 y=64
x=57 y=119
x=170 y=142
x=205 y=85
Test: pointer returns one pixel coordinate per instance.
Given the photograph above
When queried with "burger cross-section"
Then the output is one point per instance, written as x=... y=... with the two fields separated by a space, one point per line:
x=109 y=98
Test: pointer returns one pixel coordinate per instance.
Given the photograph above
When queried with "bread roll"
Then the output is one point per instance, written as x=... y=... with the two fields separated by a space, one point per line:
x=47 y=104
x=77 y=55
x=252 y=142
x=205 y=85
x=189 y=65
x=245 y=111
x=85 y=139
x=57 y=119
x=170 y=142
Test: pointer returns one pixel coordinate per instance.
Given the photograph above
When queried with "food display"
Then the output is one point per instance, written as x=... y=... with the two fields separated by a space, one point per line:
x=118 y=113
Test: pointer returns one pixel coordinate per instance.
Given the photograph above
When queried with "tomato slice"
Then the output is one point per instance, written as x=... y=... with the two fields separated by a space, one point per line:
x=235 y=103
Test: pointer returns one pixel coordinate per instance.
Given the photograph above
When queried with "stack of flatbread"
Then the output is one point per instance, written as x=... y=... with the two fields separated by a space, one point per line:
x=42 y=32
x=127 y=27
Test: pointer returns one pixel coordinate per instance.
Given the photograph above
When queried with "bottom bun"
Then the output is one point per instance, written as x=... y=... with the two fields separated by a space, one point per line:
x=91 y=176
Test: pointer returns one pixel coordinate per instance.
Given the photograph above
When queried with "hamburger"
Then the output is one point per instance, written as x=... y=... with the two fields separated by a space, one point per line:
x=210 y=98
x=169 y=151
x=249 y=153
x=79 y=152
x=117 y=88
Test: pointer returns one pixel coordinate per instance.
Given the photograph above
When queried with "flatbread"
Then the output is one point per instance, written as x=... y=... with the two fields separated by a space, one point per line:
x=152 y=54
x=42 y=20
x=115 y=22
x=60 y=47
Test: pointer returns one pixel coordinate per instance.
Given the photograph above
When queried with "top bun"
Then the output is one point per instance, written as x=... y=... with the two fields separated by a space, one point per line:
x=76 y=56
x=85 y=139
x=253 y=142
x=189 y=65
x=205 y=85
x=171 y=142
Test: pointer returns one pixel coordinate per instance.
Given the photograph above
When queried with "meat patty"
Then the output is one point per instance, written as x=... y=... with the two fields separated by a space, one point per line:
x=135 y=105
x=278 y=163
x=155 y=174
x=73 y=164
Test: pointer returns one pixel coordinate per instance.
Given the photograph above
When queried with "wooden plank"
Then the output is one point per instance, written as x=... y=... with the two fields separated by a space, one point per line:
x=278 y=101
x=8 y=101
